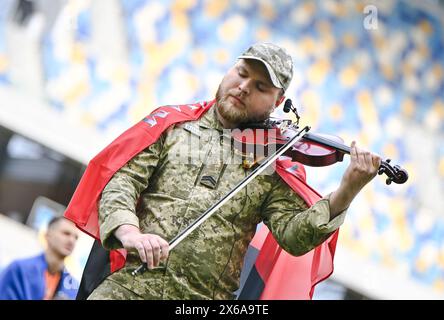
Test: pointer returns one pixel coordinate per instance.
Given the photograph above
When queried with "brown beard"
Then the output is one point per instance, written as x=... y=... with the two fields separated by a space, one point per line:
x=236 y=115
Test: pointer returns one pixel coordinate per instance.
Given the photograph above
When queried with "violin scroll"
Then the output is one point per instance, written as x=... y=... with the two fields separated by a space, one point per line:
x=395 y=174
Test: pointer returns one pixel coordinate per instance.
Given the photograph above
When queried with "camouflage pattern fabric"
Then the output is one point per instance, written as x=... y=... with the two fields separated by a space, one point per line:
x=111 y=290
x=168 y=185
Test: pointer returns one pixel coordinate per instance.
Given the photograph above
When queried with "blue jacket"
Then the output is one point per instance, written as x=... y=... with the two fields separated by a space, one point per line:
x=25 y=280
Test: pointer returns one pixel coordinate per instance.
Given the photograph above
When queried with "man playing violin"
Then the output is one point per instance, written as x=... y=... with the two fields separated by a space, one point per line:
x=152 y=197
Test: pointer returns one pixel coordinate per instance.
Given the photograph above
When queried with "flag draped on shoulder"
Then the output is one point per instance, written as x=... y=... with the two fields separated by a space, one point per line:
x=279 y=275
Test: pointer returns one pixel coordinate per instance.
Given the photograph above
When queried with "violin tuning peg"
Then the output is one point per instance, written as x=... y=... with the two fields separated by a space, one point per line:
x=388 y=160
x=388 y=181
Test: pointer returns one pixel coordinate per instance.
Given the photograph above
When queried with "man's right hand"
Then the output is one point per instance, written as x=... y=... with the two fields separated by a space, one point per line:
x=152 y=249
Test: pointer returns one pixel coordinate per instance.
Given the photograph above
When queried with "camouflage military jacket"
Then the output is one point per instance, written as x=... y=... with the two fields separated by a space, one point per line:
x=167 y=186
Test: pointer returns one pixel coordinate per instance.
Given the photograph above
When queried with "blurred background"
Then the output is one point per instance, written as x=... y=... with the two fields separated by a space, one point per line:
x=74 y=74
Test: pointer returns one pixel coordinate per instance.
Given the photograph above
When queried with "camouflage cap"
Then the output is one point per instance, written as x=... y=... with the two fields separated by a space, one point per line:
x=277 y=61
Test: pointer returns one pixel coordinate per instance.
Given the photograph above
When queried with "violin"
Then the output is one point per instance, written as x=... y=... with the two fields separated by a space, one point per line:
x=314 y=149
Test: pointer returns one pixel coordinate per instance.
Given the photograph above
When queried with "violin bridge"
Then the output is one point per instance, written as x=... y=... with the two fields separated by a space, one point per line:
x=249 y=161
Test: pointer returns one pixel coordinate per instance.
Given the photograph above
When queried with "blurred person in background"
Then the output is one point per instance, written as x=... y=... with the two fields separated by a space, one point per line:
x=151 y=198
x=44 y=277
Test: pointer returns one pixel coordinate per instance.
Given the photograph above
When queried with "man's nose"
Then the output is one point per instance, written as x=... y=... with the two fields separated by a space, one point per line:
x=244 y=86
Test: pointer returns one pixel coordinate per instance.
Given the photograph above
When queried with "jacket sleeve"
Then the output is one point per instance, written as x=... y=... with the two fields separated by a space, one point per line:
x=297 y=228
x=11 y=283
x=119 y=198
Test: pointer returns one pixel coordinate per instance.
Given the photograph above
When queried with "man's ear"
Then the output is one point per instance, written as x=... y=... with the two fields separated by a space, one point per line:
x=279 y=101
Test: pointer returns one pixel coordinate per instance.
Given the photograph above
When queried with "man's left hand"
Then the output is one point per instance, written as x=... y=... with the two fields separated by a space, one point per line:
x=363 y=168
